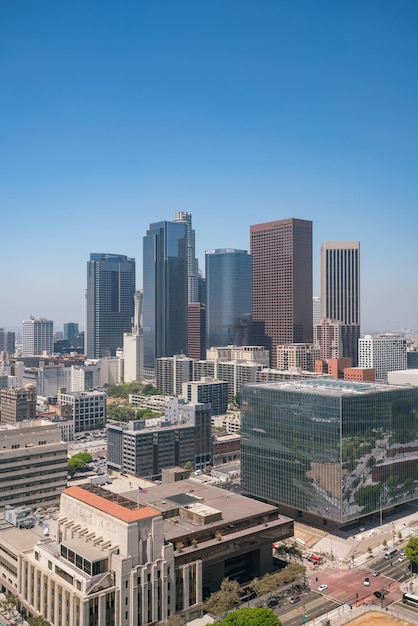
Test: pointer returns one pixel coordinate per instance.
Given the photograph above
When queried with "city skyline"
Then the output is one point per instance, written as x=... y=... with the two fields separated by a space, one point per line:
x=114 y=118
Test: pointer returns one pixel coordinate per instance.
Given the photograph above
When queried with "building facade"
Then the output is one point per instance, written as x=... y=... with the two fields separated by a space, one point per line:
x=17 y=404
x=329 y=450
x=171 y=372
x=70 y=332
x=208 y=390
x=340 y=291
x=109 y=303
x=33 y=464
x=228 y=295
x=282 y=283
x=37 y=336
x=384 y=353
x=88 y=409
x=165 y=291
x=182 y=217
x=196 y=330
x=297 y=355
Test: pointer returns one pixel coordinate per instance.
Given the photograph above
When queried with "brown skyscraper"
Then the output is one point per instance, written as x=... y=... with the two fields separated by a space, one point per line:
x=282 y=283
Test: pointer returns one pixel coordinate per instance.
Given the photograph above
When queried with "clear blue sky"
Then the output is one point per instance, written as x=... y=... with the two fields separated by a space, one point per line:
x=116 y=114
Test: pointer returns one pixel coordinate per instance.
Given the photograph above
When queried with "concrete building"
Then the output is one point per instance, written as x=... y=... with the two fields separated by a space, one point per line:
x=403 y=377
x=235 y=374
x=33 y=461
x=180 y=411
x=297 y=355
x=133 y=345
x=330 y=451
x=208 y=390
x=145 y=451
x=384 y=353
x=111 y=371
x=37 y=336
x=137 y=558
x=316 y=310
x=282 y=283
x=17 y=404
x=171 y=372
x=109 y=303
x=334 y=367
x=88 y=409
x=226 y=448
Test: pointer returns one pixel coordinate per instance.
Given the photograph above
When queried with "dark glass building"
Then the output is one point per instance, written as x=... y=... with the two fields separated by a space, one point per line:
x=333 y=450
x=282 y=284
x=228 y=295
x=165 y=291
x=109 y=303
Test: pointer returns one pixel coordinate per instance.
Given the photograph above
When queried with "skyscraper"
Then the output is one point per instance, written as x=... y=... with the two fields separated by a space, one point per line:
x=165 y=291
x=282 y=283
x=38 y=336
x=70 y=331
x=192 y=264
x=109 y=303
x=340 y=289
x=228 y=295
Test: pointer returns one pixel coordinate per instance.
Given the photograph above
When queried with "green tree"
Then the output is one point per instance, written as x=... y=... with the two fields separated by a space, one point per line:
x=227 y=598
x=9 y=603
x=237 y=399
x=411 y=550
x=251 y=617
x=84 y=456
x=188 y=466
x=74 y=465
x=38 y=621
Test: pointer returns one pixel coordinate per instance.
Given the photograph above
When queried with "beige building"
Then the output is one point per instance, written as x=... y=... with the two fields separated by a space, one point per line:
x=17 y=404
x=33 y=463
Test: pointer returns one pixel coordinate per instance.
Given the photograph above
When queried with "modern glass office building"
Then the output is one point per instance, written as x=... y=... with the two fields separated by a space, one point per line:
x=228 y=296
x=109 y=303
x=165 y=291
x=334 y=450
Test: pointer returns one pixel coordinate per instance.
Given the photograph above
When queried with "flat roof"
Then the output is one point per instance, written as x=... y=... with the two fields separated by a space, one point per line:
x=110 y=503
x=234 y=507
x=329 y=387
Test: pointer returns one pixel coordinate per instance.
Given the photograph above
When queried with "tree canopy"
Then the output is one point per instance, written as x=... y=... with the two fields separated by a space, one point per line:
x=78 y=462
x=38 y=621
x=411 y=550
x=227 y=598
x=251 y=617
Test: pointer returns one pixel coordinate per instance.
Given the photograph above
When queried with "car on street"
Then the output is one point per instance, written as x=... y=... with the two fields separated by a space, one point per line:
x=366 y=582
x=294 y=599
x=322 y=587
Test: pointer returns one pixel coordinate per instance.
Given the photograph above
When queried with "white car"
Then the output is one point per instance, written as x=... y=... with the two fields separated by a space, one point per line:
x=322 y=587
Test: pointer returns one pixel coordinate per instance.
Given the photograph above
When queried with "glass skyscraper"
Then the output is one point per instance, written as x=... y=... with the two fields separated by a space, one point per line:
x=334 y=450
x=228 y=296
x=165 y=291
x=109 y=303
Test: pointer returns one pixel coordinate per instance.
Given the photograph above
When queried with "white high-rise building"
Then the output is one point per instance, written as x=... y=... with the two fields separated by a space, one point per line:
x=38 y=336
x=133 y=352
x=316 y=310
x=385 y=353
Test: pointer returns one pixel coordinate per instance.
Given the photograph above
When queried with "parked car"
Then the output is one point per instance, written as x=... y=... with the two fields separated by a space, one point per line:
x=322 y=587
x=294 y=599
x=366 y=582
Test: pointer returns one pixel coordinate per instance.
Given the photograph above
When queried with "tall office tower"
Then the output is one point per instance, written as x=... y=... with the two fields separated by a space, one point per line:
x=2 y=339
x=282 y=283
x=316 y=309
x=70 y=331
x=165 y=291
x=201 y=281
x=109 y=303
x=196 y=330
x=228 y=295
x=192 y=264
x=340 y=288
x=38 y=336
